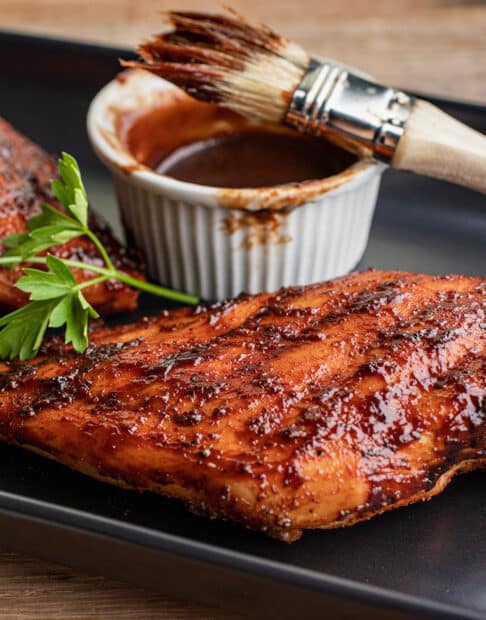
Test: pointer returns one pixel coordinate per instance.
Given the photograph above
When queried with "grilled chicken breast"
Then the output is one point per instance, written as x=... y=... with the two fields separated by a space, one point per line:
x=25 y=174
x=312 y=407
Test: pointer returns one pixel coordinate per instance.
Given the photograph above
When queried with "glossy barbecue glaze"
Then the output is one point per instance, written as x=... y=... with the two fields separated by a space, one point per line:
x=311 y=407
x=25 y=174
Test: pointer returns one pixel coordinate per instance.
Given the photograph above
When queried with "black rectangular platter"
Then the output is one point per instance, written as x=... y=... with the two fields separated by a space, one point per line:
x=427 y=560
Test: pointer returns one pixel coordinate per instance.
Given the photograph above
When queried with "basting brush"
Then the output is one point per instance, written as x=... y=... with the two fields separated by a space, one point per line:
x=254 y=71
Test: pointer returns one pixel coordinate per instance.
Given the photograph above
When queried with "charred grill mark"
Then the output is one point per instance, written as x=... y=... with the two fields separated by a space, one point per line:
x=264 y=423
x=189 y=358
x=190 y=418
x=303 y=325
x=331 y=414
x=15 y=378
x=58 y=391
x=461 y=433
x=200 y=389
x=273 y=410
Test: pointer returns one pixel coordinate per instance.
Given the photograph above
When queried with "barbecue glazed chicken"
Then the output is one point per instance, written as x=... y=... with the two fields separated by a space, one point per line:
x=25 y=174
x=312 y=407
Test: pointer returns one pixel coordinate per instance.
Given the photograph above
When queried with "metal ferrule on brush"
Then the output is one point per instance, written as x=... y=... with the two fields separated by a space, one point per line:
x=332 y=100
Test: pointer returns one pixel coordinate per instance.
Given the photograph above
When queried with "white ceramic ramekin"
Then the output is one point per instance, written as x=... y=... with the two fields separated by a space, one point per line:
x=218 y=242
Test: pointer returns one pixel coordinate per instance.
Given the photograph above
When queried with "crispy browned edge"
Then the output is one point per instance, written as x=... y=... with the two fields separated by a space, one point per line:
x=286 y=535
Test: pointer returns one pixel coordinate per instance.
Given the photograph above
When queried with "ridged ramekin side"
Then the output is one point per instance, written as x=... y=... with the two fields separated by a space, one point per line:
x=220 y=252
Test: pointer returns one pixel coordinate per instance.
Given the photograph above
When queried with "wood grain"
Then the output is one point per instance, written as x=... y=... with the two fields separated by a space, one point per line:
x=32 y=588
x=434 y=46
x=437 y=46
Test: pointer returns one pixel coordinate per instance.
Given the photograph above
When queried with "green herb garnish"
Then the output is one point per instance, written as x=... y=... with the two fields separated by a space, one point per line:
x=56 y=299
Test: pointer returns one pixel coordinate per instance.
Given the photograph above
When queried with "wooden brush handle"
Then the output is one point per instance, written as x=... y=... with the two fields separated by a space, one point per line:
x=437 y=145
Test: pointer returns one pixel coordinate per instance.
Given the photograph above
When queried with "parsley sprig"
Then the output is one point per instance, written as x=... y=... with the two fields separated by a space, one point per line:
x=56 y=299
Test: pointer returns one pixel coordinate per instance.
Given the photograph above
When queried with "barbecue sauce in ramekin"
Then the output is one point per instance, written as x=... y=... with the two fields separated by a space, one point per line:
x=202 y=143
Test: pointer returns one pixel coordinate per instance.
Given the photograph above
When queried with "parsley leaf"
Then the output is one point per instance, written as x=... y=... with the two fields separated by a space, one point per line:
x=53 y=217
x=25 y=245
x=71 y=194
x=23 y=330
x=74 y=312
x=52 y=227
x=56 y=299
x=56 y=282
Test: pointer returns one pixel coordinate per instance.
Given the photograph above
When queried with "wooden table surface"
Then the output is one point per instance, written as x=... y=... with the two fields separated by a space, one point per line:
x=435 y=46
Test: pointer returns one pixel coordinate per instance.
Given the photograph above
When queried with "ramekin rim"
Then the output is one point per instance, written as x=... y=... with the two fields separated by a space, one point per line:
x=141 y=175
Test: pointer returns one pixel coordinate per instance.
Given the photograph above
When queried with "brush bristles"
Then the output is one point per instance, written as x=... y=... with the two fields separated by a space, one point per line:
x=262 y=90
x=249 y=69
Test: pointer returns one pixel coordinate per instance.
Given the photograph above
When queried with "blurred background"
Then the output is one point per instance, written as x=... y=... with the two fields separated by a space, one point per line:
x=434 y=46
x=431 y=46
